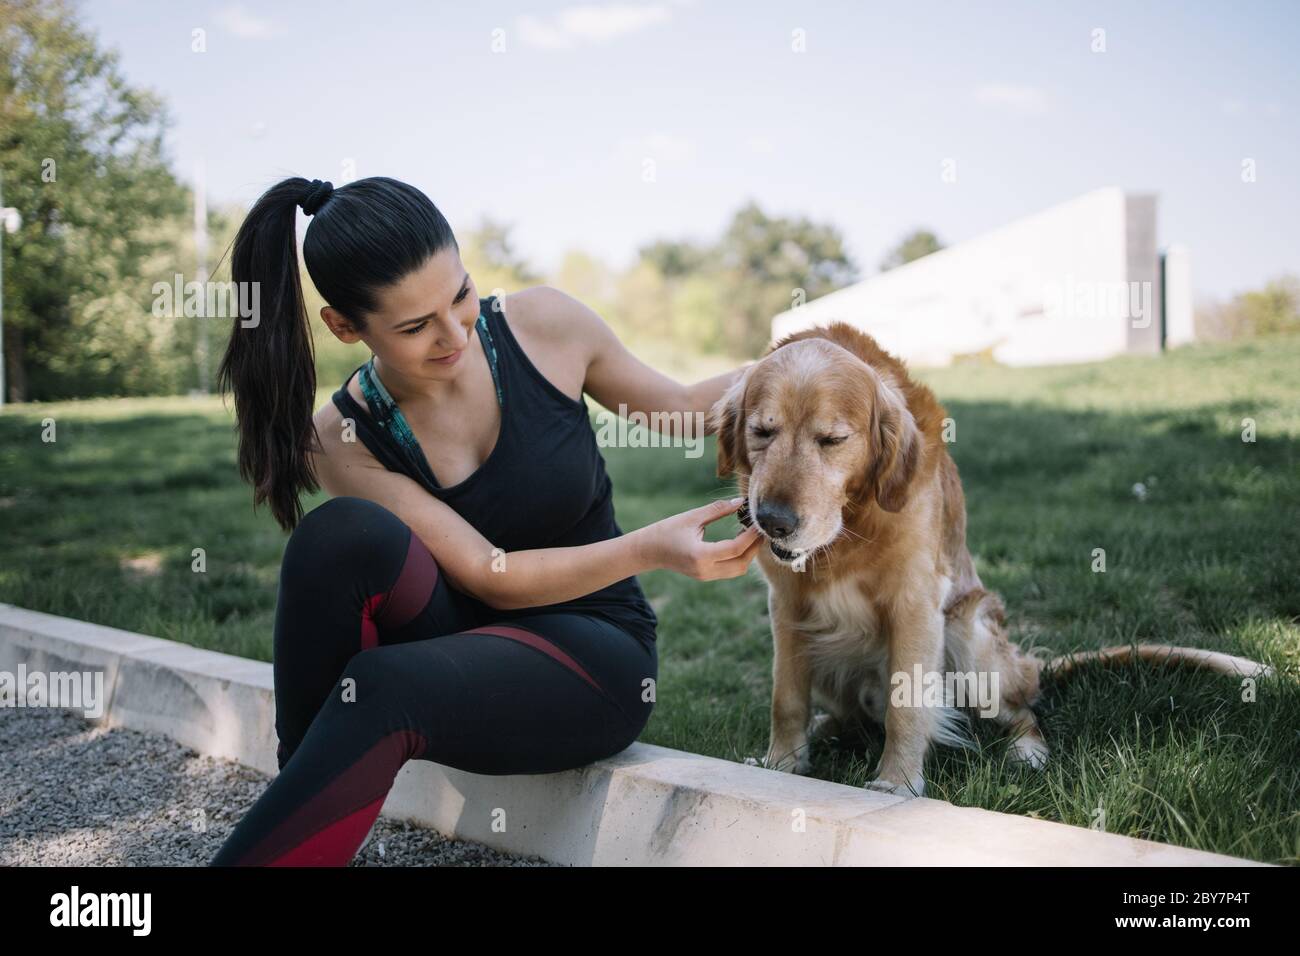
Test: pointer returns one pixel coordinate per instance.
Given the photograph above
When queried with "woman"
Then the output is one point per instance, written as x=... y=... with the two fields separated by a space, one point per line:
x=466 y=595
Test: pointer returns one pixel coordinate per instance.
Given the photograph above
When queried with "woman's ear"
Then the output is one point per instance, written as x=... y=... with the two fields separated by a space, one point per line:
x=340 y=325
x=727 y=418
x=897 y=448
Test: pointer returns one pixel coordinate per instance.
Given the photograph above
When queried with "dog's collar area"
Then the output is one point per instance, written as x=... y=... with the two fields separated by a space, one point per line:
x=780 y=552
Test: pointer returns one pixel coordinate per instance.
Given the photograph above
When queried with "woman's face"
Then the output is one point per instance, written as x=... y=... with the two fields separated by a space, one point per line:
x=425 y=317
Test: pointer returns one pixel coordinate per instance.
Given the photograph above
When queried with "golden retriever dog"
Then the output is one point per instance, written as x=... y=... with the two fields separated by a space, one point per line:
x=871 y=590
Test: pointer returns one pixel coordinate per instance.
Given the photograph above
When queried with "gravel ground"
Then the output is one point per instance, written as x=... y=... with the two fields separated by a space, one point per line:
x=72 y=794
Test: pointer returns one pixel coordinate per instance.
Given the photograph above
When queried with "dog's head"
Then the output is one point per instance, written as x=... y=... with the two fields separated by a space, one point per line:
x=815 y=430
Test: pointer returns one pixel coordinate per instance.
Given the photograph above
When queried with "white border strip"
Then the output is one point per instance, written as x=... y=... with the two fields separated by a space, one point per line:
x=645 y=806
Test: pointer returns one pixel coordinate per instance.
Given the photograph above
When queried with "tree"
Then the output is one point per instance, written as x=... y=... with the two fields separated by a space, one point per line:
x=644 y=311
x=1271 y=310
x=489 y=254
x=915 y=245
x=770 y=263
x=674 y=260
x=1274 y=308
x=695 y=307
x=588 y=280
x=81 y=156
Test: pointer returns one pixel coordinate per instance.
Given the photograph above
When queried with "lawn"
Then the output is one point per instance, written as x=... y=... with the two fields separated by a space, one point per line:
x=1143 y=458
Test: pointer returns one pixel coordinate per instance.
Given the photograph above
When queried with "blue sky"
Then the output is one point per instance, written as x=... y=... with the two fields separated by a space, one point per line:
x=551 y=132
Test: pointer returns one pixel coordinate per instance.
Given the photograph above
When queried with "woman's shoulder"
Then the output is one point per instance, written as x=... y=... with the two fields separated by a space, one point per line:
x=329 y=422
x=336 y=432
x=545 y=320
x=542 y=321
x=336 y=410
x=328 y=418
x=541 y=312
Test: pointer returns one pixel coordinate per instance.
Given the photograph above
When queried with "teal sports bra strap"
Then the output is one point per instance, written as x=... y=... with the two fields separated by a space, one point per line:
x=384 y=409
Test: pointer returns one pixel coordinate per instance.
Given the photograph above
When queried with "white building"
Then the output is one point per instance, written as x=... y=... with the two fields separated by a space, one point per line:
x=1082 y=280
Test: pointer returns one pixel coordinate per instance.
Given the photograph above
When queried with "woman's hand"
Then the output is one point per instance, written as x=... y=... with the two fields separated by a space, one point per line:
x=678 y=544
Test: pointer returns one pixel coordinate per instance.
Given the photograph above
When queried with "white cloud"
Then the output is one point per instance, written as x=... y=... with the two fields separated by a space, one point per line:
x=590 y=23
x=1019 y=99
x=235 y=19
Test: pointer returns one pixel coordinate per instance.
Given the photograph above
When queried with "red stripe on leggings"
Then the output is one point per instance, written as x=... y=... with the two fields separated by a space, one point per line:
x=414 y=586
x=541 y=644
x=315 y=835
x=405 y=599
x=369 y=630
x=338 y=841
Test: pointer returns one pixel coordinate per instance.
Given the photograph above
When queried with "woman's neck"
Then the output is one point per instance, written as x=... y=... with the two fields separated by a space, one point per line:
x=409 y=392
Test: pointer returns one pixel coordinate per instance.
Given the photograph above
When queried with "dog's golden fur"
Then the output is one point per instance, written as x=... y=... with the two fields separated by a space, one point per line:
x=843 y=465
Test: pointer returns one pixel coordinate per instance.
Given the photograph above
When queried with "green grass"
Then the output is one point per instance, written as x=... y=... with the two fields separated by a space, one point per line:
x=1209 y=557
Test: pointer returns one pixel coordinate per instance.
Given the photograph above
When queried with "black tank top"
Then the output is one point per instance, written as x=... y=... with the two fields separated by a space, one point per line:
x=544 y=485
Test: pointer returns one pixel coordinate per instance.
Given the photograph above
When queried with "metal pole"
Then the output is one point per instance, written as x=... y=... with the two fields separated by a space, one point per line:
x=11 y=220
x=201 y=267
x=2 y=298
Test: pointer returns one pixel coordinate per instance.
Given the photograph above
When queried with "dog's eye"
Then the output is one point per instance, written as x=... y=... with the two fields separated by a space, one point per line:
x=827 y=440
x=763 y=432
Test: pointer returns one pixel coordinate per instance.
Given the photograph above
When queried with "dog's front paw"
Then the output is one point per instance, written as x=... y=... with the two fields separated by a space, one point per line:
x=1031 y=750
x=901 y=789
x=788 y=759
x=824 y=726
x=914 y=789
x=888 y=781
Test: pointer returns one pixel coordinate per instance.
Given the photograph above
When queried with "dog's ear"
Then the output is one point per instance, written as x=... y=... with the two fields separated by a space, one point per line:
x=727 y=419
x=897 y=448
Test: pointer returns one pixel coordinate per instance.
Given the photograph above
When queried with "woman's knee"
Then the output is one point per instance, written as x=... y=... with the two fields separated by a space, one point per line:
x=637 y=713
x=383 y=677
x=354 y=530
x=625 y=736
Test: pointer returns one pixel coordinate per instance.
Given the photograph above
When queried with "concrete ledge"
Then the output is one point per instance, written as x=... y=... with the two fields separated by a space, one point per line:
x=646 y=806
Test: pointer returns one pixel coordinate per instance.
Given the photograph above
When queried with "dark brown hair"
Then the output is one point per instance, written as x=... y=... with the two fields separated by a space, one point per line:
x=368 y=234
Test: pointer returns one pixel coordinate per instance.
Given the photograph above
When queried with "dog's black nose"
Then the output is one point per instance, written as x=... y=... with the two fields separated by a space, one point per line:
x=776 y=519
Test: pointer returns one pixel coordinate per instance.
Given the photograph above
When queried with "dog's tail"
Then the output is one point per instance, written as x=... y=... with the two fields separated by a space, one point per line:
x=1216 y=661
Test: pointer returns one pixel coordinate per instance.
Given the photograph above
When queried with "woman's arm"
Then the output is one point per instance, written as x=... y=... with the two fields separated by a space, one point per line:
x=536 y=577
x=615 y=377
x=500 y=579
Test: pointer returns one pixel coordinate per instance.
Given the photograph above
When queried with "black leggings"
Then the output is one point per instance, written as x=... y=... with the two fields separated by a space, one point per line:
x=378 y=661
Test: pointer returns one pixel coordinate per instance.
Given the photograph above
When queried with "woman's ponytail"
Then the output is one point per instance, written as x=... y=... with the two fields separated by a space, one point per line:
x=270 y=363
x=364 y=236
